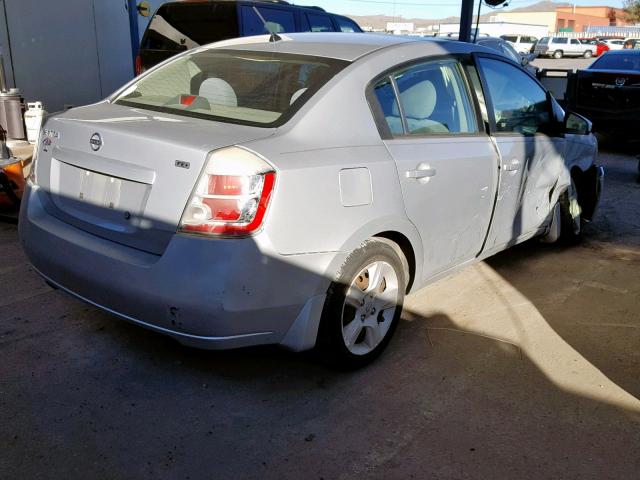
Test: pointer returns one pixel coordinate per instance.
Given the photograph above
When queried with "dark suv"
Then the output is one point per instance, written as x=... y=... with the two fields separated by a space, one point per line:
x=179 y=26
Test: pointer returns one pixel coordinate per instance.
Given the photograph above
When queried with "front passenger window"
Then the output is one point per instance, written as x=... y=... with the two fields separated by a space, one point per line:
x=520 y=105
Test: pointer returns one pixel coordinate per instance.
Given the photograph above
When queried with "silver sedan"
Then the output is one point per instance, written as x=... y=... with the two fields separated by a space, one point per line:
x=293 y=189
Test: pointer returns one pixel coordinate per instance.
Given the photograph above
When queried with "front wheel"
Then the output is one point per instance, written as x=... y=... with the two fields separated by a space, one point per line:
x=363 y=305
x=570 y=216
x=587 y=54
x=557 y=54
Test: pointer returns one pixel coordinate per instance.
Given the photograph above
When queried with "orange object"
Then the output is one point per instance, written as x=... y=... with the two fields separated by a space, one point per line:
x=15 y=177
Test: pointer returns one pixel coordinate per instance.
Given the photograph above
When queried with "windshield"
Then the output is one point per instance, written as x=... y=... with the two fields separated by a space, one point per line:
x=543 y=41
x=617 y=62
x=251 y=88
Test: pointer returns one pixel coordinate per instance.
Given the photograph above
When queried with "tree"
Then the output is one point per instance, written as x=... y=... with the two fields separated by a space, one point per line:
x=632 y=10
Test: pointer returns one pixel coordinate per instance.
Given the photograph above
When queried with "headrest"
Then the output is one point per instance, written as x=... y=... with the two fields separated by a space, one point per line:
x=418 y=101
x=218 y=92
x=297 y=95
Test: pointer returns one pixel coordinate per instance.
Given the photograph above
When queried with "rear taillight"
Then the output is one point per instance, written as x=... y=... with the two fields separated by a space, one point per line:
x=232 y=195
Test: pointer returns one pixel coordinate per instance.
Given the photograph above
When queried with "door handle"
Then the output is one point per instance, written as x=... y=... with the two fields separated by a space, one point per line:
x=514 y=166
x=423 y=171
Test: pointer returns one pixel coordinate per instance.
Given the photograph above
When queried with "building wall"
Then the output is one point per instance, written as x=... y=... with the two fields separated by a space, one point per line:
x=578 y=22
x=537 y=18
x=614 y=15
x=66 y=52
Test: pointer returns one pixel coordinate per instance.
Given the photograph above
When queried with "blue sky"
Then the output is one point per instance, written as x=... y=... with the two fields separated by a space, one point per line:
x=417 y=8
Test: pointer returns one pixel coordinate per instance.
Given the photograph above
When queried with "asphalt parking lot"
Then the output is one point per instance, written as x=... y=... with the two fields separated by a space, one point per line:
x=569 y=63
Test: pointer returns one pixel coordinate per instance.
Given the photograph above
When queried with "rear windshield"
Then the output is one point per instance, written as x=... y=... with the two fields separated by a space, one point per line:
x=618 y=62
x=177 y=27
x=249 y=88
x=543 y=41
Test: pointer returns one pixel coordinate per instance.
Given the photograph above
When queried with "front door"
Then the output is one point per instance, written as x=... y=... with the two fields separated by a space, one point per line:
x=531 y=158
x=447 y=167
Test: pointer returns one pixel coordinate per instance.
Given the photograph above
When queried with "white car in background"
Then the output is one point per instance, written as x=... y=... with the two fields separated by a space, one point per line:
x=522 y=43
x=614 y=44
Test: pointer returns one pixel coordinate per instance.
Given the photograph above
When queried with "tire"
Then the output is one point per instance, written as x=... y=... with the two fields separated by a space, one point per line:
x=557 y=54
x=570 y=217
x=588 y=54
x=358 y=318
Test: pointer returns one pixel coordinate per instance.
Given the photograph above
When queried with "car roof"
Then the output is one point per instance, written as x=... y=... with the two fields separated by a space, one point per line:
x=340 y=46
x=626 y=51
x=277 y=3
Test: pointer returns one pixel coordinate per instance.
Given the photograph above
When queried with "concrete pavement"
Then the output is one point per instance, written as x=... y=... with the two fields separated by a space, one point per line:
x=526 y=366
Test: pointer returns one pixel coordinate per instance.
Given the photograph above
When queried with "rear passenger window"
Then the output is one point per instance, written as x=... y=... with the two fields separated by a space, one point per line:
x=320 y=23
x=561 y=41
x=434 y=101
x=389 y=105
x=278 y=21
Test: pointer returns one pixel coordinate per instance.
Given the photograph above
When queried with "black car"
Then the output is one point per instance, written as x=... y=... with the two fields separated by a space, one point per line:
x=608 y=93
x=179 y=26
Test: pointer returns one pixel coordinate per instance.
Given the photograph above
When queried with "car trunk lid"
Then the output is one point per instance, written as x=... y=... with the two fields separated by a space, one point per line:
x=126 y=174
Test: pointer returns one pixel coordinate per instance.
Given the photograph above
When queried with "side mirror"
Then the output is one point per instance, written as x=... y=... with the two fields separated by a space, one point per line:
x=575 y=124
x=528 y=58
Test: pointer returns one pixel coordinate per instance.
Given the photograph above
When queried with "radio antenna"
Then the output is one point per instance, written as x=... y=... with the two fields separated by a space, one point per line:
x=274 y=35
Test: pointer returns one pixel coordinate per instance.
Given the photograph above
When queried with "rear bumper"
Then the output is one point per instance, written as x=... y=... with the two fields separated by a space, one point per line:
x=205 y=293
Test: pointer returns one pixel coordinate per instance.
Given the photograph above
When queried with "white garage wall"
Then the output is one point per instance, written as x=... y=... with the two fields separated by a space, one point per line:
x=66 y=52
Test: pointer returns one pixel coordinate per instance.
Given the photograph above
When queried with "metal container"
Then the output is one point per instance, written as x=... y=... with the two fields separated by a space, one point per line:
x=12 y=114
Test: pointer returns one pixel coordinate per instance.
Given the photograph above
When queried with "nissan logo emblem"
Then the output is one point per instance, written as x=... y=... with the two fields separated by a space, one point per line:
x=95 y=141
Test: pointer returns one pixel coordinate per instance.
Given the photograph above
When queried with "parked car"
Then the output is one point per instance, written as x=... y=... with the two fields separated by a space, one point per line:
x=558 y=47
x=601 y=47
x=292 y=192
x=505 y=48
x=522 y=43
x=608 y=92
x=615 y=44
x=178 y=26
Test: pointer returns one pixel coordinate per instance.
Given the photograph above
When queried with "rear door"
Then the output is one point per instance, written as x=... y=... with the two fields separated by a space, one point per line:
x=447 y=166
x=531 y=156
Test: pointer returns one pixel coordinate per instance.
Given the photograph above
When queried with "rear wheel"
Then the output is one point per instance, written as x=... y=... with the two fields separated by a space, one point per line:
x=557 y=54
x=587 y=54
x=363 y=305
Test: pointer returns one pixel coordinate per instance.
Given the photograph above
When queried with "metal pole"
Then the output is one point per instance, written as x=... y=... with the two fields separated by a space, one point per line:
x=466 y=20
x=3 y=78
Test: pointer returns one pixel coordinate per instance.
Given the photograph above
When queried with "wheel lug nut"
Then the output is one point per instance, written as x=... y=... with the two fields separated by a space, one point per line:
x=363 y=317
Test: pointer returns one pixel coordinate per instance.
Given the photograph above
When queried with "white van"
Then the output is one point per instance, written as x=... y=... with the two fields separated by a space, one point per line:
x=522 y=43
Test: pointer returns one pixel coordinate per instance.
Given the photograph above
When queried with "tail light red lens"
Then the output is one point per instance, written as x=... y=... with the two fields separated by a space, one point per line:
x=232 y=195
x=138 y=65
